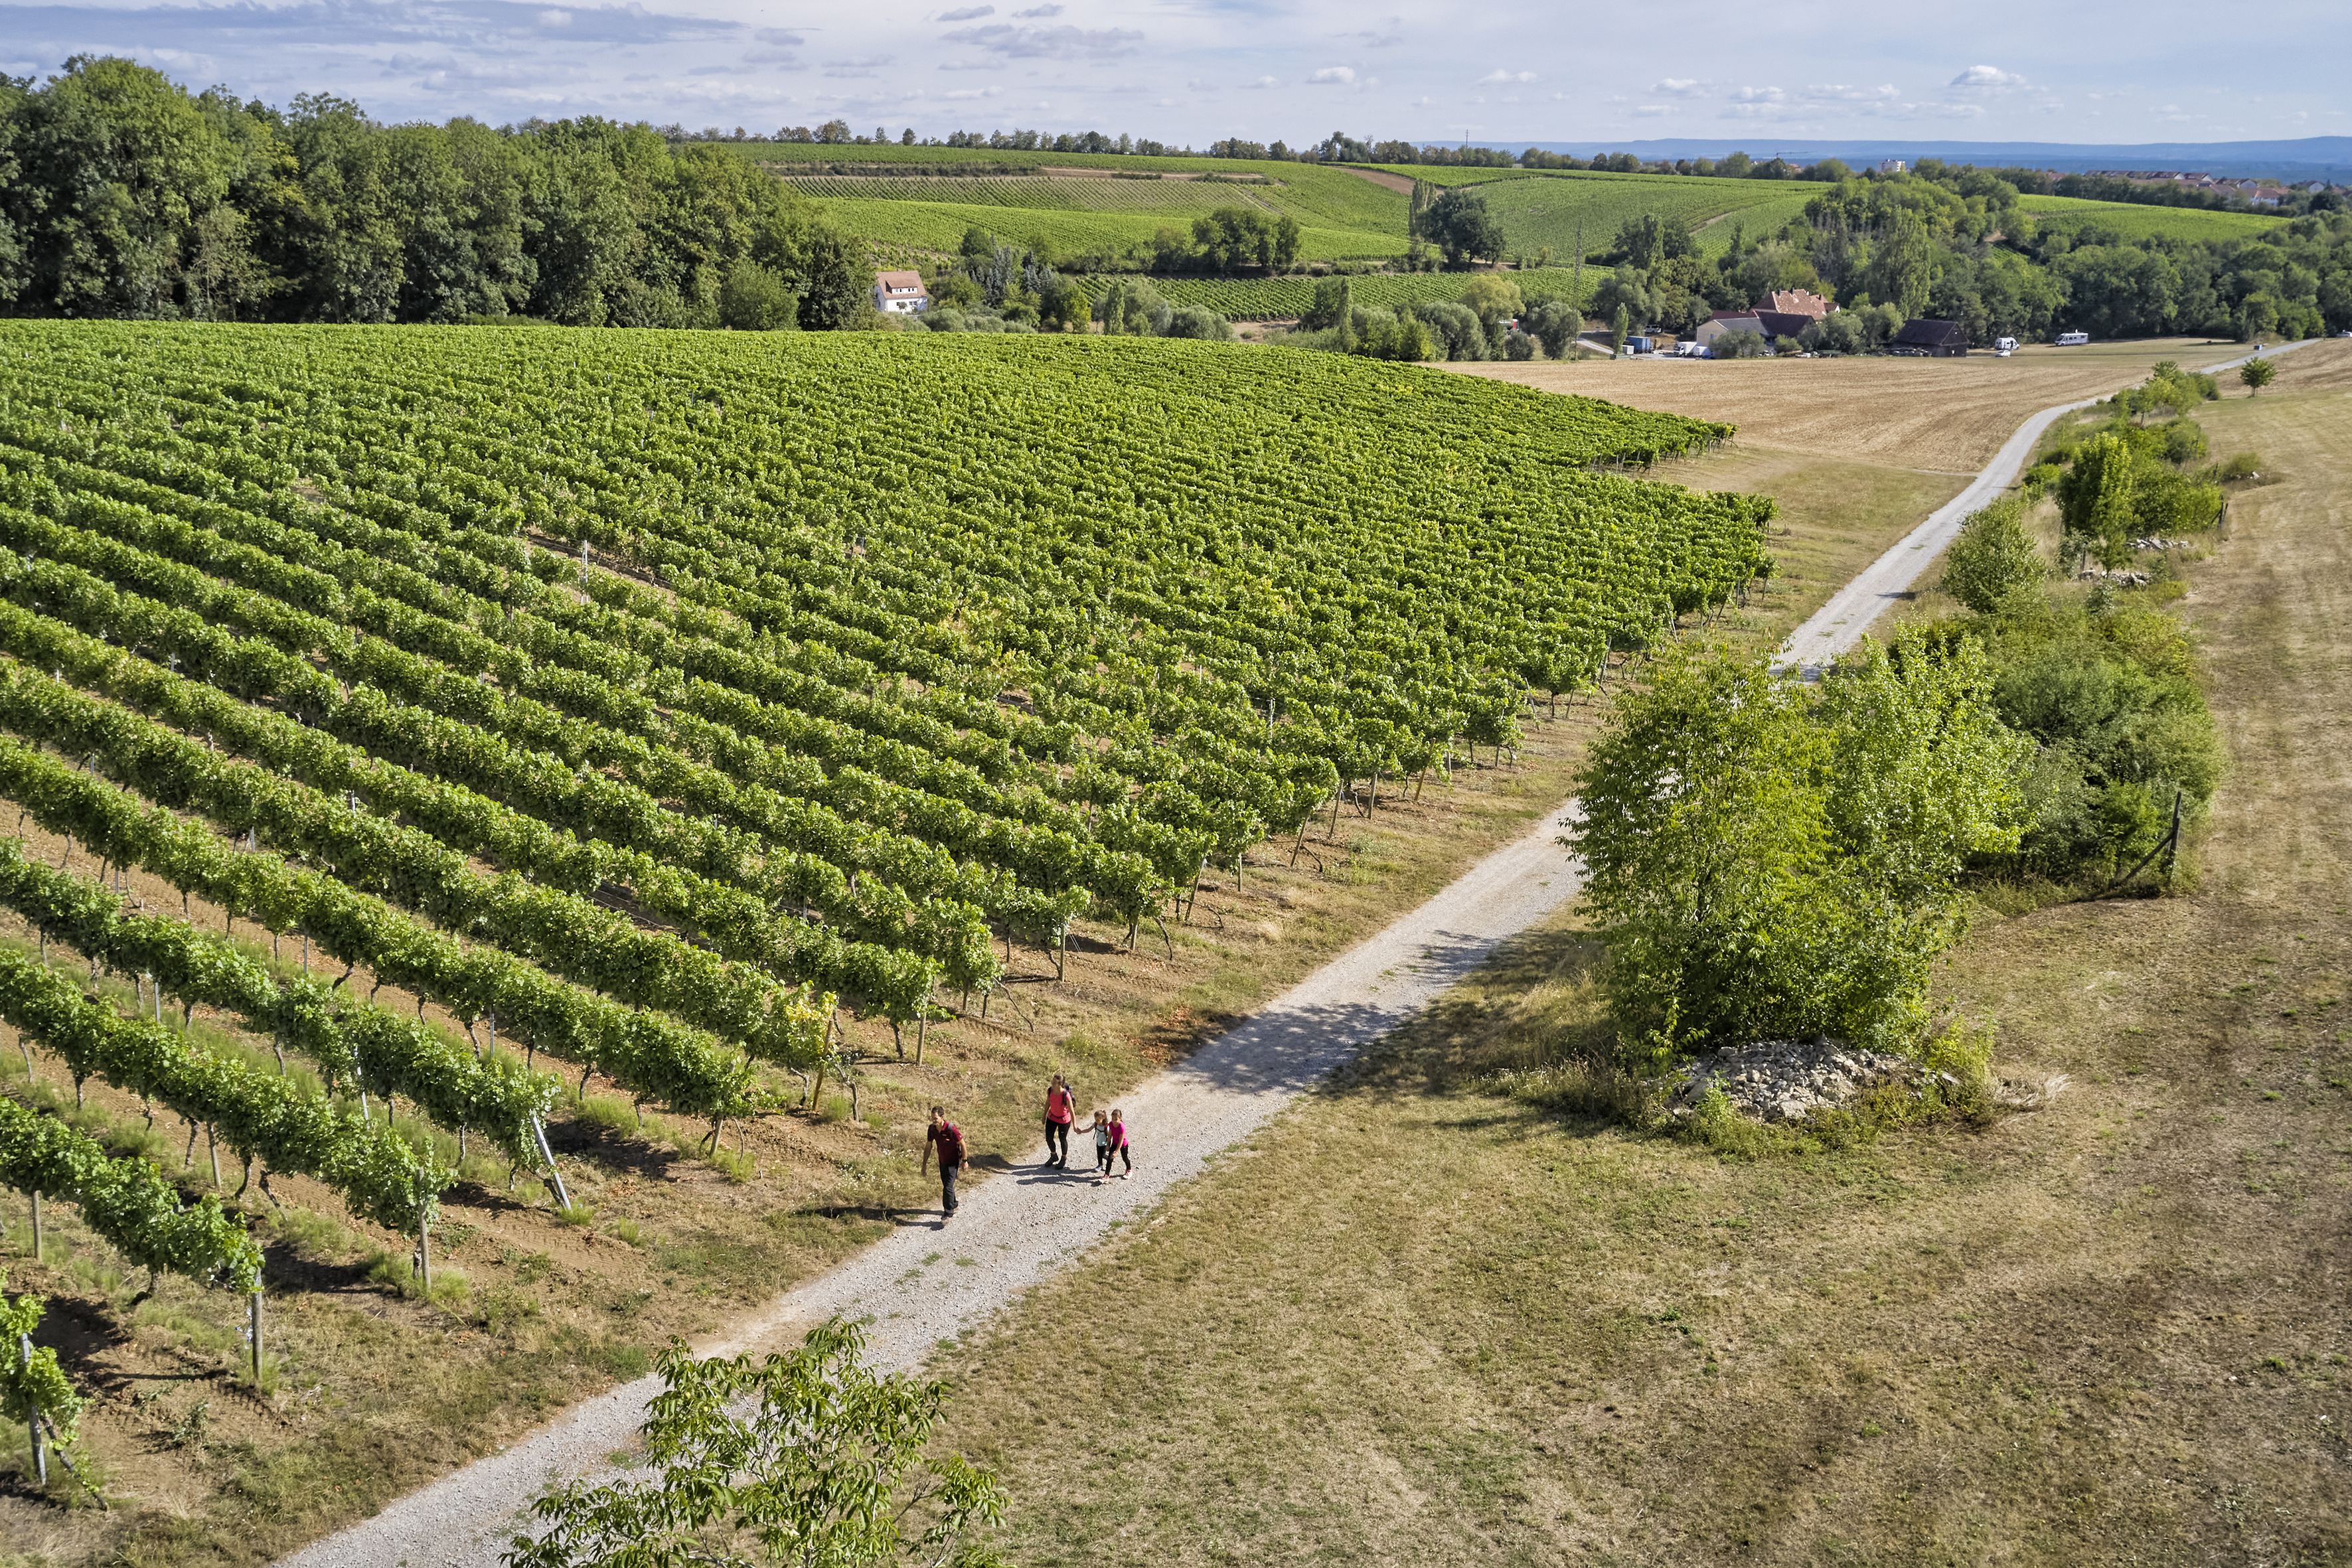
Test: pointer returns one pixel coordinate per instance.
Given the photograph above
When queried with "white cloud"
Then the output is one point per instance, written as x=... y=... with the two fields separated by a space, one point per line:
x=553 y=18
x=967 y=14
x=1034 y=11
x=1048 y=43
x=866 y=67
x=971 y=92
x=1495 y=77
x=1652 y=111
x=1987 y=77
x=1264 y=82
x=1757 y=95
x=1679 y=87
x=1840 y=93
x=1334 y=76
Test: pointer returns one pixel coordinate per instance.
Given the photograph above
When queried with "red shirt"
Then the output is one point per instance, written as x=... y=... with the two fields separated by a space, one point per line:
x=1057 y=1104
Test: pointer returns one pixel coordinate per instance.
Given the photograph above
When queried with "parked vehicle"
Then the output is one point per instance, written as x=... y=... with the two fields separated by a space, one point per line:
x=1639 y=345
x=2073 y=339
x=2004 y=345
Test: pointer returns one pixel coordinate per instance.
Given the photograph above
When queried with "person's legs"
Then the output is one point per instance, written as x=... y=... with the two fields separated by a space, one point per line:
x=946 y=1188
x=1058 y=1143
x=1102 y=1160
x=1125 y=1157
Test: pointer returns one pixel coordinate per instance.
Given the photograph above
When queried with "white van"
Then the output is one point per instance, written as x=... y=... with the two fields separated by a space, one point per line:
x=2004 y=345
x=2073 y=339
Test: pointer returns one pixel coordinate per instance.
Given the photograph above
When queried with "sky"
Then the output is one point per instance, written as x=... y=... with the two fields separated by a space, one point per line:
x=1192 y=72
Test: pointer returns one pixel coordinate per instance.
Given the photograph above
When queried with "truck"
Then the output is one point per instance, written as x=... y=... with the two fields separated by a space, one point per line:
x=1639 y=345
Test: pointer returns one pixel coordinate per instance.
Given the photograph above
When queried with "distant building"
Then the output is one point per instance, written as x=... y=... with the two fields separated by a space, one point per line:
x=900 y=293
x=1891 y=166
x=1724 y=321
x=1798 y=302
x=1925 y=339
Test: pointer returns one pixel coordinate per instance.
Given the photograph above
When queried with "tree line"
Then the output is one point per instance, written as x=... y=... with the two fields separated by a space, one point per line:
x=123 y=194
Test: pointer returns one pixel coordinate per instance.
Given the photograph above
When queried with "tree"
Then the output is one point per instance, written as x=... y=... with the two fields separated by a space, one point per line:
x=1620 y=327
x=1331 y=305
x=1769 y=859
x=1622 y=291
x=1064 y=306
x=808 y=1458
x=2257 y=373
x=1196 y=322
x=2095 y=499
x=839 y=292
x=1460 y=223
x=1556 y=324
x=1993 y=560
x=1493 y=299
x=754 y=299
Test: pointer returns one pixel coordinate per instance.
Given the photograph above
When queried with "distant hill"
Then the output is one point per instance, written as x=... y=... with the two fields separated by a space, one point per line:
x=2307 y=158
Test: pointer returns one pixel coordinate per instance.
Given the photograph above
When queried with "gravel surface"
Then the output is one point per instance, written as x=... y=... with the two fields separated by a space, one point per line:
x=1018 y=1227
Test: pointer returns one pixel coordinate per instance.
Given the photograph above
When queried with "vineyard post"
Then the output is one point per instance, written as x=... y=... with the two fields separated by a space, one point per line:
x=33 y=1415
x=253 y=1326
x=539 y=1130
x=37 y=1225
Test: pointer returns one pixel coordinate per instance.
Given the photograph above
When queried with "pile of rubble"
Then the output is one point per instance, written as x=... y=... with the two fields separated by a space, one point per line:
x=1787 y=1080
x=2117 y=579
x=2162 y=543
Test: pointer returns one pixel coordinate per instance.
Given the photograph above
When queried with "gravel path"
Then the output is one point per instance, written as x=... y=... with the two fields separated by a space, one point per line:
x=1839 y=624
x=1015 y=1228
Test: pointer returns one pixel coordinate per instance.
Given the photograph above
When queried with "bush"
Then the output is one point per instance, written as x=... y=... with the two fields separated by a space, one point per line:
x=1741 y=344
x=1993 y=560
x=1197 y=322
x=1519 y=345
x=1457 y=329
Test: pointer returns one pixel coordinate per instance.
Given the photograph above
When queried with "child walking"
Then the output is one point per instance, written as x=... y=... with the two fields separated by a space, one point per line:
x=1102 y=1146
x=1110 y=1137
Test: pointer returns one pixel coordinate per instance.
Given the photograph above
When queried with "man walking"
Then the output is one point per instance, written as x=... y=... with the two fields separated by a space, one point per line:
x=947 y=1138
x=1061 y=1106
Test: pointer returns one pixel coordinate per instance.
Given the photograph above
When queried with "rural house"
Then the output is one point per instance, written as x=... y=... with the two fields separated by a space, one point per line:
x=900 y=293
x=1796 y=302
x=1931 y=340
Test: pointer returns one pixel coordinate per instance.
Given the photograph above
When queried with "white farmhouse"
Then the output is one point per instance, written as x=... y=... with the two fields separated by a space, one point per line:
x=900 y=293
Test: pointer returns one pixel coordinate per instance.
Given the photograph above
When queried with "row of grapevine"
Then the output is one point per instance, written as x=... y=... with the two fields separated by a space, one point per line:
x=127 y=1201
x=1282 y=299
x=376 y=1171
x=352 y=1043
x=655 y=1056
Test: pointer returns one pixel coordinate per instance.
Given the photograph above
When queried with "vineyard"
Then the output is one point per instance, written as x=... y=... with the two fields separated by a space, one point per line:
x=625 y=702
x=2138 y=223
x=1269 y=299
x=1169 y=197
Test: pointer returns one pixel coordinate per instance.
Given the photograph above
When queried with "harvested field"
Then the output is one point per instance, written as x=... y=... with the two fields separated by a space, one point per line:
x=1944 y=415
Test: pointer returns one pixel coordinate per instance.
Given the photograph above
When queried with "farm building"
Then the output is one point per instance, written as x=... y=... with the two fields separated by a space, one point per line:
x=1724 y=321
x=1796 y=302
x=900 y=293
x=1931 y=340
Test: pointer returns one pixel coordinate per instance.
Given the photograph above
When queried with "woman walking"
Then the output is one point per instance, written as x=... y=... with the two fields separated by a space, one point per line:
x=1061 y=1109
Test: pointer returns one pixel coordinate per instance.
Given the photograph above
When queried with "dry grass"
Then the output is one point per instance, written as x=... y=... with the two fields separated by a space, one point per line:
x=1422 y=1322
x=1944 y=415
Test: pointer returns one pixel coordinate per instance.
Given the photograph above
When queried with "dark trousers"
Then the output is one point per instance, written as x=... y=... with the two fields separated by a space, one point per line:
x=947 y=1187
x=1057 y=1142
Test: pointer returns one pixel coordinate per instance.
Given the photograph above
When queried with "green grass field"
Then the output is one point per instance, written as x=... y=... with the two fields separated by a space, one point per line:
x=2135 y=222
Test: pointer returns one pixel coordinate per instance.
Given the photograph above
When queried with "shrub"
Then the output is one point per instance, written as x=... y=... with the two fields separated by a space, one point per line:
x=1519 y=345
x=1741 y=344
x=1993 y=560
x=1554 y=323
x=1197 y=322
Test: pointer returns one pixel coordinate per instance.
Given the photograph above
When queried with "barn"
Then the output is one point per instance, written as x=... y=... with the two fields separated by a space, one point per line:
x=1931 y=340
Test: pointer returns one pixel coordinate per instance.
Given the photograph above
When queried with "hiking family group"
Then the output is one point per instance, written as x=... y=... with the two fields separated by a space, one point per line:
x=945 y=1139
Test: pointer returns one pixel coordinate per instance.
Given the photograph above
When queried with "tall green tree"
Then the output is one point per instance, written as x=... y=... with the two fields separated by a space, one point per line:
x=1994 y=559
x=1769 y=859
x=1461 y=226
